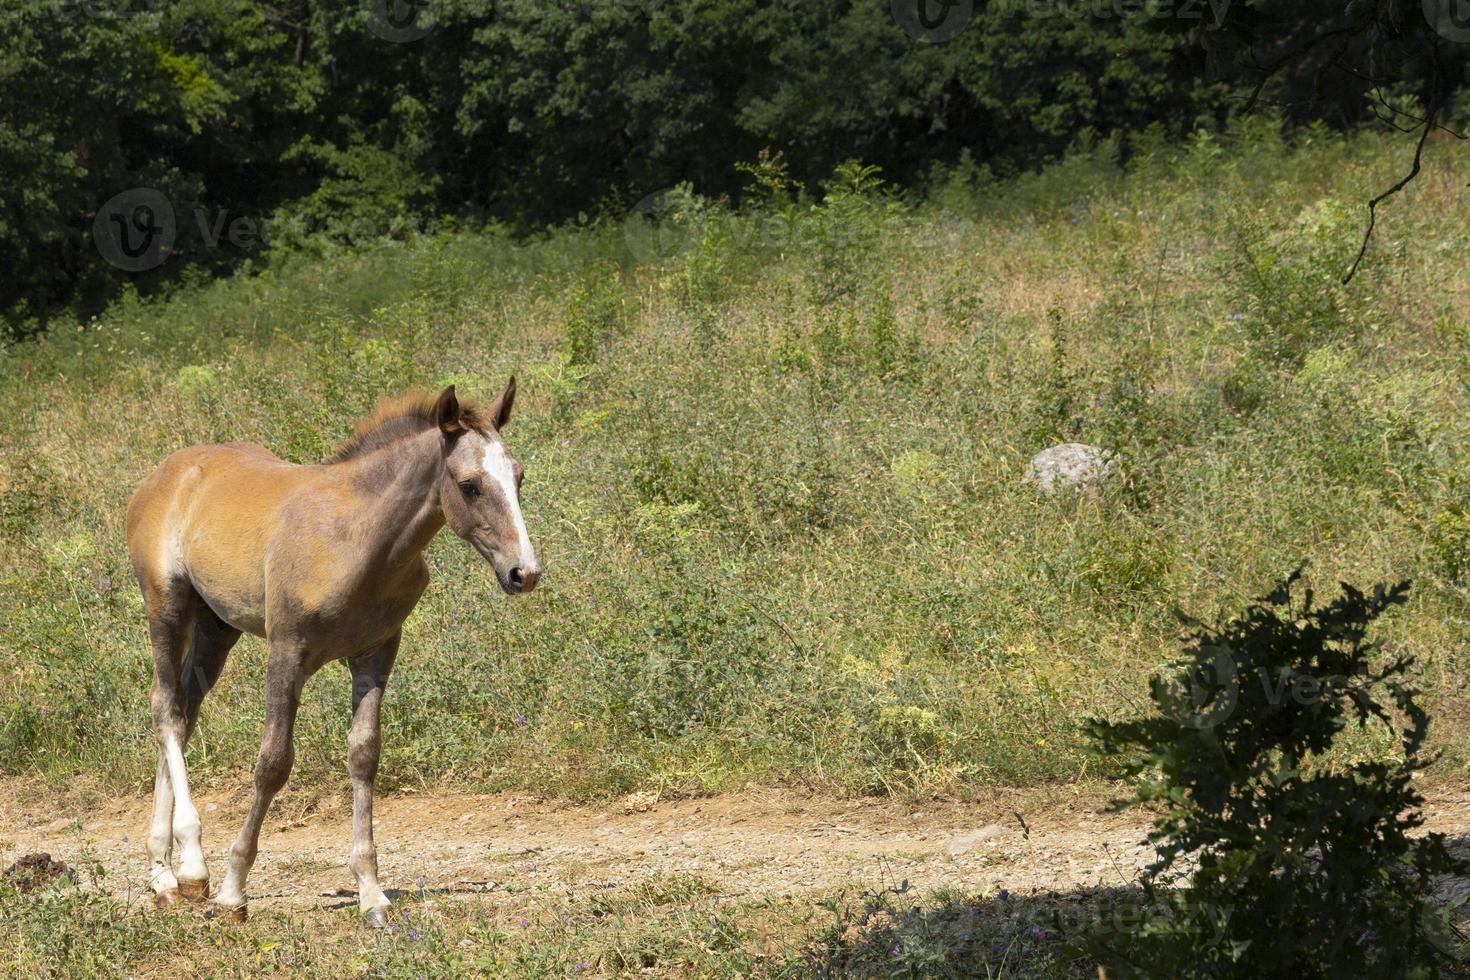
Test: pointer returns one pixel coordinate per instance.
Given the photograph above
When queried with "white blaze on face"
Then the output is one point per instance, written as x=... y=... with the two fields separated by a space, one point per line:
x=499 y=472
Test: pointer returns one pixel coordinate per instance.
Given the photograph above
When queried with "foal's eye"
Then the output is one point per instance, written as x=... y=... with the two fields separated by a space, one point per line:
x=469 y=490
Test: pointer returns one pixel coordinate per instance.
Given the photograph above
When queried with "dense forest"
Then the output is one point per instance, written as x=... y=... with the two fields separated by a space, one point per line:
x=226 y=131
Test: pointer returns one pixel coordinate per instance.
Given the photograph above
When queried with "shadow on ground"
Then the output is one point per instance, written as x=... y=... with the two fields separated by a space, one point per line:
x=1041 y=934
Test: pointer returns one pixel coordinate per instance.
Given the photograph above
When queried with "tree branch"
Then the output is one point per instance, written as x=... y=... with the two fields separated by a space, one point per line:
x=1429 y=126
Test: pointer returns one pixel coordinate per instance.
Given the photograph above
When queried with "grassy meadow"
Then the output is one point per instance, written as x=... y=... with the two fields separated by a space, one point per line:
x=774 y=461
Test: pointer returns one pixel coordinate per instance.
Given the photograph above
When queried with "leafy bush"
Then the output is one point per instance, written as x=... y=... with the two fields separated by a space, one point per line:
x=594 y=315
x=1288 y=284
x=1292 y=861
x=1449 y=542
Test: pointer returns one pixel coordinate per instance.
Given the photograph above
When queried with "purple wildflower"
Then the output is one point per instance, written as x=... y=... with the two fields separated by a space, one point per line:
x=520 y=719
x=413 y=934
x=579 y=967
x=1002 y=895
x=1037 y=932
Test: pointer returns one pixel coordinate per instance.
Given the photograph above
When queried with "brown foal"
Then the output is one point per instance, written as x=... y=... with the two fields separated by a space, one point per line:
x=323 y=561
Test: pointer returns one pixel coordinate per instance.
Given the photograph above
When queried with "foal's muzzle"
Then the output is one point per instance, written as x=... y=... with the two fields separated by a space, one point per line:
x=521 y=579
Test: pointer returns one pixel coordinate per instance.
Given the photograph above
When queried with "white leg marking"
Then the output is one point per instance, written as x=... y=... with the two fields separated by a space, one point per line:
x=186 y=826
x=364 y=858
x=232 y=892
x=160 y=832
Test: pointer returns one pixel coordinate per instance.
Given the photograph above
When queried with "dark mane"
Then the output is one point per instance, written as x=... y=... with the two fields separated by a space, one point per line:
x=397 y=418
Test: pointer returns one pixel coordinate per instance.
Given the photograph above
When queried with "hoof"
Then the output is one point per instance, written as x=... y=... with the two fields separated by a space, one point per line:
x=194 y=891
x=167 y=898
x=235 y=913
x=375 y=918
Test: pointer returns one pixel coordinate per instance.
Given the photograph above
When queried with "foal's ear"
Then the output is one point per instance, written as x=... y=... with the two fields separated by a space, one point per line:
x=500 y=408
x=446 y=412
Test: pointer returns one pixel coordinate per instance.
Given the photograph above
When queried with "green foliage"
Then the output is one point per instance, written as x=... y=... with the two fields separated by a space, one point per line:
x=1288 y=284
x=1277 y=855
x=594 y=315
x=1449 y=542
x=796 y=545
x=317 y=127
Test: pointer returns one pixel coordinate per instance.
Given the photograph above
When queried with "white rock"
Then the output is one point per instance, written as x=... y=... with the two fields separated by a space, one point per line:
x=1071 y=464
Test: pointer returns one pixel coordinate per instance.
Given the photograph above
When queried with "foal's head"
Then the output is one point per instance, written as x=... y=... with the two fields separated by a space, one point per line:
x=480 y=490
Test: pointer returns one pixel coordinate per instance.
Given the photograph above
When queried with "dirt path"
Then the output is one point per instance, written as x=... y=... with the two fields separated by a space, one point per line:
x=757 y=843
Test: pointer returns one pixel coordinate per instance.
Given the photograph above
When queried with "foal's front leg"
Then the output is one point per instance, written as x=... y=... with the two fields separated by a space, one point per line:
x=285 y=674
x=369 y=677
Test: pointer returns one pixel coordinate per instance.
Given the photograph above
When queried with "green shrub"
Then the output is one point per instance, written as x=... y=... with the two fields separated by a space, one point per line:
x=594 y=315
x=1287 y=283
x=1449 y=542
x=1276 y=856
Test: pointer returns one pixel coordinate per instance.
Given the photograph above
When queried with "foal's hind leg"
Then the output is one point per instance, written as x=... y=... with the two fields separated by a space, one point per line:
x=285 y=674
x=170 y=622
x=211 y=642
x=369 y=678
